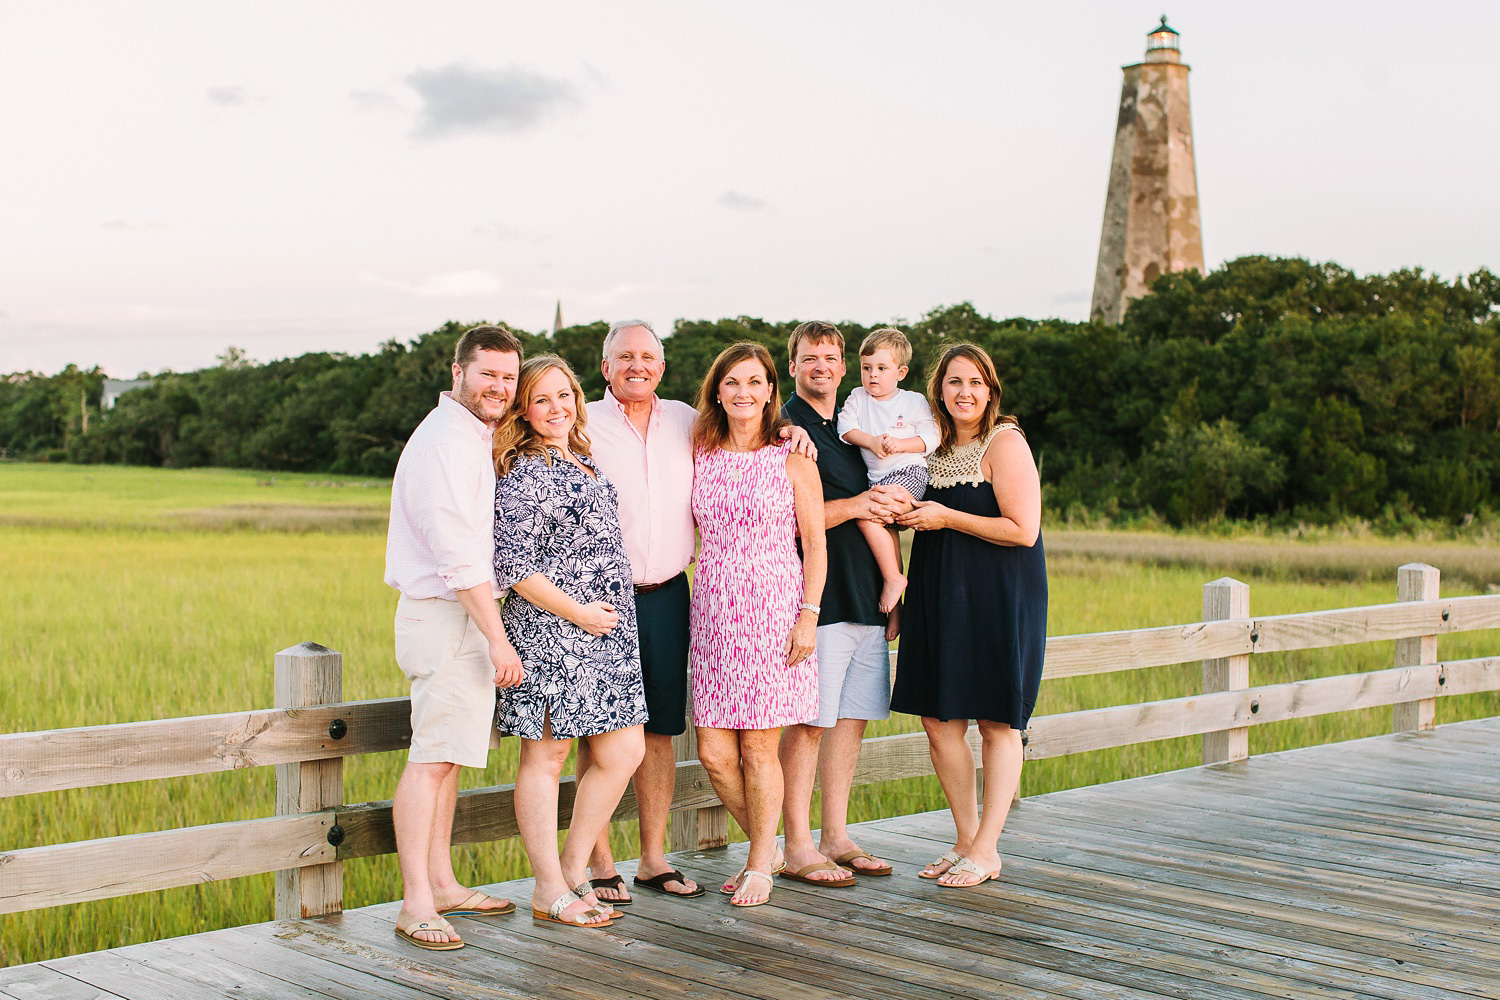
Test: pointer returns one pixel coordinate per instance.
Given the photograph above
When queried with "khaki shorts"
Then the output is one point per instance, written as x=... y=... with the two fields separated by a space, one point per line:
x=447 y=659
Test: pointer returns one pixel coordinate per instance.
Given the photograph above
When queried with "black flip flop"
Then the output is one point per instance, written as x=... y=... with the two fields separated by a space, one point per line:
x=614 y=882
x=659 y=883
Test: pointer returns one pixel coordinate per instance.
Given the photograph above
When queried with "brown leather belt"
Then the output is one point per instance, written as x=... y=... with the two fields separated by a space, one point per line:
x=646 y=588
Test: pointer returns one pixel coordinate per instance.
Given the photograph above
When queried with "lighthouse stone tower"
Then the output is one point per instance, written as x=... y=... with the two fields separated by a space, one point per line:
x=1151 y=212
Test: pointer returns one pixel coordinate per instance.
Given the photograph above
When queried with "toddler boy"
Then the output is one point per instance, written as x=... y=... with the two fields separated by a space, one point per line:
x=894 y=429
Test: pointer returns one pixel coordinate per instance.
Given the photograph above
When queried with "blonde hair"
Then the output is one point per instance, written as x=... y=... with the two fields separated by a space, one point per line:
x=887 y=338
x=711 y=429
x=515 y=437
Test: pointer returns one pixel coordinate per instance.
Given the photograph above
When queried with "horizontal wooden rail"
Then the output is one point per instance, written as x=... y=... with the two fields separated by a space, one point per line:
x=1123 y=725
x=291 y=737
x=169 y=748
x=98 y=869
x=143 y=862
x=1105 y=652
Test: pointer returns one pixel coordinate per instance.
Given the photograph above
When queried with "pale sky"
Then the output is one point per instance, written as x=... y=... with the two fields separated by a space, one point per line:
x=178 y=177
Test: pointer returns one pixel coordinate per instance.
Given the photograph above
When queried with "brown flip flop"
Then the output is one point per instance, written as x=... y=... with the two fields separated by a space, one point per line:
x=473 y=906
x=848 y=857
x=801 y=875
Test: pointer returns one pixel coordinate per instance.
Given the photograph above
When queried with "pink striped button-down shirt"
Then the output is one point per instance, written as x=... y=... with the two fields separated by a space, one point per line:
x=442 y=534
x=654 y=478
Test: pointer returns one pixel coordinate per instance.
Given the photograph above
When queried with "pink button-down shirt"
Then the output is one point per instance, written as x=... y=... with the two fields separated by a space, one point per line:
x=442 y=534
x=654 y=478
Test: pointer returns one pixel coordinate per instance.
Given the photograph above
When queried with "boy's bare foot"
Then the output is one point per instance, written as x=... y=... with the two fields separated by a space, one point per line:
x=890 y=593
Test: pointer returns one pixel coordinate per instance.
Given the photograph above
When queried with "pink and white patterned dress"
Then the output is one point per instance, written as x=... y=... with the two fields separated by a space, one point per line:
x=747 y=593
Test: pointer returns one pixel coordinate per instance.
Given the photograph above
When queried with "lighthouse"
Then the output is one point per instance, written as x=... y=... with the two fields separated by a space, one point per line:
x=1151 y=211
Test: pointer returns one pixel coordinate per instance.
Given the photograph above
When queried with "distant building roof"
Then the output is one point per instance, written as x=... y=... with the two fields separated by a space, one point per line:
x=114 y=388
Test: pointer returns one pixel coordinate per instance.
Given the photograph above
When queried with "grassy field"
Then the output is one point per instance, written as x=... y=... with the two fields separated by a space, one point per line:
x=139 y=594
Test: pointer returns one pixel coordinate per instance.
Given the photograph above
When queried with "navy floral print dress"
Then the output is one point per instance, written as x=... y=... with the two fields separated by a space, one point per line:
x=559 y=521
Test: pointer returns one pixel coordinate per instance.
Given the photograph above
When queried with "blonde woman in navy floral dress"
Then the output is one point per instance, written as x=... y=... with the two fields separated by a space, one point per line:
x=571 y=617
x=753 y=617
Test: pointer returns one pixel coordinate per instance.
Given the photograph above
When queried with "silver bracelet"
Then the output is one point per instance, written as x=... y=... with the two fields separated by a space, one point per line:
x=807 y=606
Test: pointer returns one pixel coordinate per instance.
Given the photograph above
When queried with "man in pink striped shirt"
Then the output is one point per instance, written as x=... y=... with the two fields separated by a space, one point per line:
x=449 y=640
x=643 y=444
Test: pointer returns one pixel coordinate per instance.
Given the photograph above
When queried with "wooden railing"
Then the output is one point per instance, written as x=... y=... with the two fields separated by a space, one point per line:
x=312 y=729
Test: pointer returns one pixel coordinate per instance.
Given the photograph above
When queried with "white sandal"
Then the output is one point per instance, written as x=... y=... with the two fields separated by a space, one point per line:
x=949 y=858
x=966 y=867
x=582 y=890
x=554 y=913
x=749 y=873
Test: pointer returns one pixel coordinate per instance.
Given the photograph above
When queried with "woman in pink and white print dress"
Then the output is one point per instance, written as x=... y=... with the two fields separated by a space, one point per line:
x=754 y=611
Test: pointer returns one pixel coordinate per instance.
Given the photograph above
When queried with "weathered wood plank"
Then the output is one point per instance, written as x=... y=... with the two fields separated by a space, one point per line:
x=1223 y=599
x=1104 y=652
x=1416 y=582
x=116 y=866
x=833 y=955
x=258 y=947
x=1120 y=725
x=121 y=977
x=1286 y=916
x=169 y=748
x=38 y=982
x=1039 y=888
x=510 y=966
x=203 y=964
x=656 y=969
x=984 y=927
x=305 y=675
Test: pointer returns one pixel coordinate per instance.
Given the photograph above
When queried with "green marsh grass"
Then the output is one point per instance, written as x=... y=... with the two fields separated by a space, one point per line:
x=139 y=594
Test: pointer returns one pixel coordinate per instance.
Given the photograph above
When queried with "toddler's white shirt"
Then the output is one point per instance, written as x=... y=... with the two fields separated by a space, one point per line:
x=904 y=415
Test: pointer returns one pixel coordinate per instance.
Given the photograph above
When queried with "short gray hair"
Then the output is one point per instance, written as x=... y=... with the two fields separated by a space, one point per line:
x=626 y=324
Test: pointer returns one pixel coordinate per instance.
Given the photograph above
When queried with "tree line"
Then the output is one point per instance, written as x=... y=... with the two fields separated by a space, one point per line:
x=1270 y=387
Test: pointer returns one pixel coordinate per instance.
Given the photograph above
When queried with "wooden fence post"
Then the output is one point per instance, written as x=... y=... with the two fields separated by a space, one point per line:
x=1416 y=582
x=695 y=829
x=309 y=674
x=1226 y=598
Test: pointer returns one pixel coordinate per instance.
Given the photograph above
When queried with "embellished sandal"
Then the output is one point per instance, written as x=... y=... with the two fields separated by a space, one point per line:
x=949 y=858
x=554 y=914
x=966 y=867
x=582 y=890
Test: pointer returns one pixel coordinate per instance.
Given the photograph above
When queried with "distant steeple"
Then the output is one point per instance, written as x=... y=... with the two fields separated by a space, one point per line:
x=557 y=317
x=1151 y=221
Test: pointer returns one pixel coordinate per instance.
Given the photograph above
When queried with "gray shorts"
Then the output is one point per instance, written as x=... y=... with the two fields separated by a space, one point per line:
x=854 y=673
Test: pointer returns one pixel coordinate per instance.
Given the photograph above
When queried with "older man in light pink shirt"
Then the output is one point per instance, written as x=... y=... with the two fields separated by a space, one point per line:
x=450 y=642
x=644 y=446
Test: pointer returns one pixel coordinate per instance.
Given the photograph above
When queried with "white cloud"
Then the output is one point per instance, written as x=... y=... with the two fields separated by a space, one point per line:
x=742 y=202
x=228 y=96
x=448 y=285
x=458 y=99
x=127 y=226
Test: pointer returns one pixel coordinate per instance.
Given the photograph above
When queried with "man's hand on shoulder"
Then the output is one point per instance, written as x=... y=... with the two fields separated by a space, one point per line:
x=801 y=441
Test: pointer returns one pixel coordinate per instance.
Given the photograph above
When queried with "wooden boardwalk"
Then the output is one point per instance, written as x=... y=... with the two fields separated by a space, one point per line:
x=1362 y=869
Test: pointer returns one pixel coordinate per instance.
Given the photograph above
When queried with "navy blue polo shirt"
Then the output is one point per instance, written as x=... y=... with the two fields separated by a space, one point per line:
x=852 y=593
